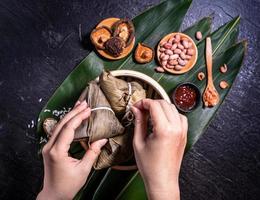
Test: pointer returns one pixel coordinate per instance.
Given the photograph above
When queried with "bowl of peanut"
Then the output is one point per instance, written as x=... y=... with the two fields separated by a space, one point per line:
x=177 y=53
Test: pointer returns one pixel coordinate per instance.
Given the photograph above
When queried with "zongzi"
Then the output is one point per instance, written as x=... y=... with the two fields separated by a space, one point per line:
x=91 y=128
x=120 y=93
x=117 y=150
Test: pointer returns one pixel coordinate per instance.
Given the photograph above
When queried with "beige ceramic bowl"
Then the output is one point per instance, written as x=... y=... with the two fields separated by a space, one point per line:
x=154 y=91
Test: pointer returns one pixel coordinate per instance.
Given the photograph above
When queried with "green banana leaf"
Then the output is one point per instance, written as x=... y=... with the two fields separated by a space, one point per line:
x=112 y=176
x=150 y=26
x=222 y=39
x=233 y=57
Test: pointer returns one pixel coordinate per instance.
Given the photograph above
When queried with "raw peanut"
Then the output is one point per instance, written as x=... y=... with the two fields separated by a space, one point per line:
x=185 y=43
x=180 y=46
x=223 y=69
x=181 y=62
x=162 y=55
x=190 y=44
x=171 y=40
x=167 y=46
x=174 y=46
x=162 y=44
x=169 y=52
x=198 y=35
x=188 y=57
x=177 y=67
x=177 y=51
x=173 y=62
x=184 y=51
x=190 y=52
x=170 y=66
x=159 y=69
x=182 y=55
x=162 y=49
x=223 y=84
x=165 y=57
x=177 y=38
x=164 y=63
x=201 y=76
x=174 y=56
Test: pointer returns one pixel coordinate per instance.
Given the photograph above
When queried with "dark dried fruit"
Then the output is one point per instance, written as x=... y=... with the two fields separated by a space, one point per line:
x=115 y=46
x=124 y=29
x=99 y=36
x=143 y=53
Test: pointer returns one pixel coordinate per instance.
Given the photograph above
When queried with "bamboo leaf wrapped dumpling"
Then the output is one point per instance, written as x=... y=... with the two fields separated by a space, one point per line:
x=91 y=128
x=119 y=146
x=120 y=93
x=117 y=150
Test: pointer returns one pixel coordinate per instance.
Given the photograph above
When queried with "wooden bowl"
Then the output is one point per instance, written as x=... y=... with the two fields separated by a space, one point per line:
x=191 y=62
x=108 y=23
x=154 y=91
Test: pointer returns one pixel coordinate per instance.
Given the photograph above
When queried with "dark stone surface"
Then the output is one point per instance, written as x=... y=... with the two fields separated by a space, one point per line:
x=40 y=46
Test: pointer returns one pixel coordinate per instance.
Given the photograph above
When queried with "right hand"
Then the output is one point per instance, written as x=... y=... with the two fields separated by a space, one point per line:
x=159 y=154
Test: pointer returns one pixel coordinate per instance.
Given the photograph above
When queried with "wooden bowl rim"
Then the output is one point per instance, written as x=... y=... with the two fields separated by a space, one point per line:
x=108 y=22
x=157 y=87
x=187 y=67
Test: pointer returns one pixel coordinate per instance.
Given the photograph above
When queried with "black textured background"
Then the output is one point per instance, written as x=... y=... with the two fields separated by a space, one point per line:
x=39 y=46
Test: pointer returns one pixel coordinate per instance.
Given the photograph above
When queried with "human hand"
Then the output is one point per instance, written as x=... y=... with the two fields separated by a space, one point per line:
x=64 y=175
x=159 y=154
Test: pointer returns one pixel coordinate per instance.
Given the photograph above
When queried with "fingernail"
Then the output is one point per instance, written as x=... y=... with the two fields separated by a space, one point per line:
x=88 y=109
x=102 y=142
x=133 y=109
x=83 y=103
x=76 y=104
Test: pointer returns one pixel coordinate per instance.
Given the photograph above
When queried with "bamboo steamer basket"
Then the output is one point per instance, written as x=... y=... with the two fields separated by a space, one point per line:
x=153 y=91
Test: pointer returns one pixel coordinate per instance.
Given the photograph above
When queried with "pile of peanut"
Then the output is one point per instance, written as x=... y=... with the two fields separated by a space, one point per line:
x=176 y=52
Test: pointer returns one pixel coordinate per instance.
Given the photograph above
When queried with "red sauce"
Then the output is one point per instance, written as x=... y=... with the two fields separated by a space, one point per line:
x=185 y=97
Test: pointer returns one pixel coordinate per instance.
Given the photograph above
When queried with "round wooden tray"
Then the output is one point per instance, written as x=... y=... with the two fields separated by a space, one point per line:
x=108 y=23
x=154 y=91
x=191 y=62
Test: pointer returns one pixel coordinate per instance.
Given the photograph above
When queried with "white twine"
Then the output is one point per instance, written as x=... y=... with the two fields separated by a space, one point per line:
x=128 y=106
x=103 y=108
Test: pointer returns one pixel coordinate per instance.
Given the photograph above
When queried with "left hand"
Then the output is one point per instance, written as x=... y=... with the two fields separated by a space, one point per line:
x=64 y=175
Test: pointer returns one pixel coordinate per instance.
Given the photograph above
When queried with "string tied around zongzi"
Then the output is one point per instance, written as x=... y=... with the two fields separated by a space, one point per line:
x=120 y=93
x=128 y=105
x=102 y=108
x=91 y=129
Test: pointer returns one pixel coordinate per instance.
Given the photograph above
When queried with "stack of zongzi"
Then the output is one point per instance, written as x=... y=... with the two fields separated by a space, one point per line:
x=110 y=101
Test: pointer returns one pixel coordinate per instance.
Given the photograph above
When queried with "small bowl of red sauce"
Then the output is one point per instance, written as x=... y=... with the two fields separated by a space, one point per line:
x=186 y=97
